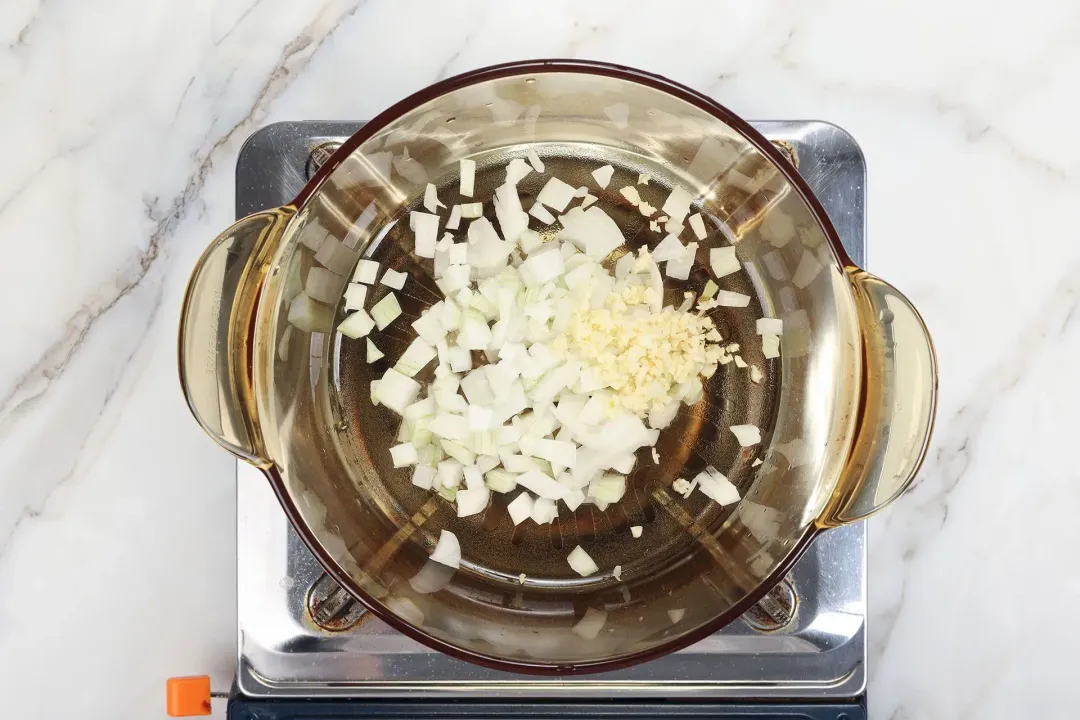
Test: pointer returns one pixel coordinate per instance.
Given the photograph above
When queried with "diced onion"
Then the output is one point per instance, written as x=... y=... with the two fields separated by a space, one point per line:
x=516 y=170
x=617 y=572
x=635 y=530
x=470 y=211
x=770 y=326
x=747 y=435
x=431 y=198
x=535 y=160
x=556 y=194
x=355 y=296
x=423 y=477
x=403 y=455
x=670 y=248
x=602 y=175
x=723 y=261
x=697 y=224
x=425 y=227
x=454 y=221
x=415 y=358
x=396 y=391
x=447 y=550
x=727 y=298
x=472 y=501
x=357 y=325
x=373 y=353
x=520 y=508
x=581 y=563
x=676 y=615
x=386 y=311
x=542 y=214
x=366 y=272
x=590 y=625
x=770 y=346
x=468 y=176
x=677 y=205
x=394 y=279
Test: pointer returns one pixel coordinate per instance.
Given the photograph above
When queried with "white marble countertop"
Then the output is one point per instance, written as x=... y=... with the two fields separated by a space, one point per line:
x=120 y=125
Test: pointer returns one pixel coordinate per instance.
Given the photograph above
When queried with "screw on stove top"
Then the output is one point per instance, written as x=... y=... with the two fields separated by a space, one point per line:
x=320 y=155
x=331 y=608
x=789 y=152
x=776 y=610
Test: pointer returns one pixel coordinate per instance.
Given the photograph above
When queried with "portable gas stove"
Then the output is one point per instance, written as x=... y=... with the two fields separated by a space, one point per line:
x=307 y=650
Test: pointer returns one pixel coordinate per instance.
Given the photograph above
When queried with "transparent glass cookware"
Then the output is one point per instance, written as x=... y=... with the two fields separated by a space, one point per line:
x=845 y=411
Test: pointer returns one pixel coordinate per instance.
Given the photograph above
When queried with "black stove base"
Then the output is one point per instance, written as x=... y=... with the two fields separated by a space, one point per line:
x=242 y=708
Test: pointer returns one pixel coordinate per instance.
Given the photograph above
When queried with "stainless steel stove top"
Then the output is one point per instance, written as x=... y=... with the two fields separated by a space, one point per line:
x=283 y=652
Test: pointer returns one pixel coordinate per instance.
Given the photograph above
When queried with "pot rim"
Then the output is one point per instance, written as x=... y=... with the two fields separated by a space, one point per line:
x=588 y=67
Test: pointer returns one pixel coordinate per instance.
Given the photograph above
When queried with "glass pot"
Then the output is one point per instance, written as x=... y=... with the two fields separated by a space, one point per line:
x=845 y=411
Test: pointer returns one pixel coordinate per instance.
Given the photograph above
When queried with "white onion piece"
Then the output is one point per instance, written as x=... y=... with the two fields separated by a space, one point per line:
x=756 y=376
x=467 y=173
x=447 y=550
x=677 y=205
x=592 y=231
x=544 y=511
x=373 y=353
x=747 y=435
x=516 y=170
x=520 y=508
x=662 y=416
x=355 y=296
x=697 y=224
x=366 y=272
x=631 y=194
x=602 y=175
x=770 y=326
x=645 y=209
x=541 y=267
x=472 y=501
x=714 y=485
x=676 y=615
x=581 y=563
x=415 y=358
x=450 y=473
x=512 y=219
x=635 y=530
x=450 y=426
x=394 y=279
x=423 y=477
x=617 y=572
x=723 y=261
x=471 y=211
x=473 y=477
x=541 y=484
x=454 y=221
x=770 y=346
x=670 y=248
x=500 y=480
x=542 y=214
x=428 y=327
x=608 y=488
x=555 y=194
x=396 y=391
x=431 y=199
x=386 y=311
x=535 y=160
x=357 y=325
x=425 y=226
x=679 y=268
x=403 y=455
x=587 y=201
x=727 y=298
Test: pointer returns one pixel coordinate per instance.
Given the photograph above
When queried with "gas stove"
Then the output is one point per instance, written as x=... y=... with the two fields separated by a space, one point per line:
x=306 y=649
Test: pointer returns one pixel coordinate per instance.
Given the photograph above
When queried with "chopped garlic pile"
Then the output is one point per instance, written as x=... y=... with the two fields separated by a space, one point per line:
x=639 y=353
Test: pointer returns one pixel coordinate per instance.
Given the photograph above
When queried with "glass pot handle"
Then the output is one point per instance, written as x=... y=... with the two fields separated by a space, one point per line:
x=899 y=400
x=215 y=325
